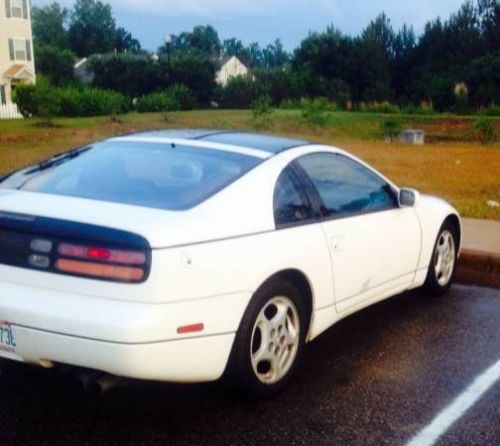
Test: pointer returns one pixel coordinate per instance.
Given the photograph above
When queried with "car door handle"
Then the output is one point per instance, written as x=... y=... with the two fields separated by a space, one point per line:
x=338 y=243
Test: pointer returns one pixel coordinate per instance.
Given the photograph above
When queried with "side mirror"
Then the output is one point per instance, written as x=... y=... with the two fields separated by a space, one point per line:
x=408 y=198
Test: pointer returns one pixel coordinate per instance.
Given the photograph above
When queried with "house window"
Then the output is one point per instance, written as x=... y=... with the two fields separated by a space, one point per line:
x=20 y=49
x=17 y=8
x=3 y=96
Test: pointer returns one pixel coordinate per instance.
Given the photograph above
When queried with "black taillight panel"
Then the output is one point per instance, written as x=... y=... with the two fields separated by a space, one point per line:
x=32 y=242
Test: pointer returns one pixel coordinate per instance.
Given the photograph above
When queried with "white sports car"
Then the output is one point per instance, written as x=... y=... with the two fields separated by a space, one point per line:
x=186 y=255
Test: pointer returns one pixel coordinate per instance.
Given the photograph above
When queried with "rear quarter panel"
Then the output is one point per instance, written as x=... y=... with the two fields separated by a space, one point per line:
x=243 y=264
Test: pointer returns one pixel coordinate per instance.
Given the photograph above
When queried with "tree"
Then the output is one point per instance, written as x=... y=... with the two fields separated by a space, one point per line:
x=48 y=23
x=374 y=51
x=126 y=42
x=92 y=28
x=380 y=31
x=204 y=39
x=489 y=19
x=55 y=63
x=484 y=80
x=403 y=49
x=274 y=55
x=324 y=65
x=239 y=92
x=255 y=55
x=235 y=47
x=129 y=74
x=195 y=70
x=463 y=34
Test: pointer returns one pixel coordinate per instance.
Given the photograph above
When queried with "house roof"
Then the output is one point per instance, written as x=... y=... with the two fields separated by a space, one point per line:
x=17 y=71
x=248 y=140
x=225 y=59
x=80 y=62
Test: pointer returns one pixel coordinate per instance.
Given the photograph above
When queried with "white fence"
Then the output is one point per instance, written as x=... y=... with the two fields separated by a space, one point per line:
x=10 y=111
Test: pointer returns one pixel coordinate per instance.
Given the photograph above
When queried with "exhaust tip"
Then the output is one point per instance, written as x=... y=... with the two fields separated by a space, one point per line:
x=98 y=383
x=46 y=364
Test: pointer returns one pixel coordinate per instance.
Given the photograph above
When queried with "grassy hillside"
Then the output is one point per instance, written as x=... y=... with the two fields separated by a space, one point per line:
x=453 y=164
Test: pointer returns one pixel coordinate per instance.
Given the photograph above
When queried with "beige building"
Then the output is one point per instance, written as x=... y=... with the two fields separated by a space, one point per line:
x=231 y=67
x=16 y=47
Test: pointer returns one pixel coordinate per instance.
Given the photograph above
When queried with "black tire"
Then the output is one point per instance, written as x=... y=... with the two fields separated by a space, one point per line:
x=241 y=372
x=434 y=284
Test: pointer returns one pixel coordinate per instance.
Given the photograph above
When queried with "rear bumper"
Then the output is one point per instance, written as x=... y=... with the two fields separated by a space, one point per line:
x=130 y=339
x=186 y=360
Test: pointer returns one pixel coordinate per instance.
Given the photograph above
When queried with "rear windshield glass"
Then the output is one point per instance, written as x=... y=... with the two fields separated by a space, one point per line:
x=145 y=174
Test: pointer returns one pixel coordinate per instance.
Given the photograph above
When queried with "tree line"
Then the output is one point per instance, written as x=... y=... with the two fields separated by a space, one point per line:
x=453 y=65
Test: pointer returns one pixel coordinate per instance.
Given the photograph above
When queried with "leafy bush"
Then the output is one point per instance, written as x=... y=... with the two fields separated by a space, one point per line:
x=262 y=111
x=319 y=102
x=157 y=102
x=382 y=107
x=24 y=96
x=290 y=104
x=94 y=102
x=314 y=111
x=239 y=92
x=176 y=98
x=486 y=130
x=492 y=110
x=46 y=101
x=412 y=109
x=462 y=103
x=40 y=100
x=69 y=101
x=139 y=75
x=391 y=129
x=55 y=63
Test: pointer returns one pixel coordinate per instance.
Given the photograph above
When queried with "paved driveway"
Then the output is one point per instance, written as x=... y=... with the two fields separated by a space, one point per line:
x=376 y=378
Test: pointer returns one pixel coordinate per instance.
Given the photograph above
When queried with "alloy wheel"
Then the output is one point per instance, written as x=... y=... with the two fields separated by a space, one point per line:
x=275 y=340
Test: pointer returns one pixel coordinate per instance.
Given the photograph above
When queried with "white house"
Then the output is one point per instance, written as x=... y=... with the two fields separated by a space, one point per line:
x=16 y=49
x=230 y=67
x=82 y=71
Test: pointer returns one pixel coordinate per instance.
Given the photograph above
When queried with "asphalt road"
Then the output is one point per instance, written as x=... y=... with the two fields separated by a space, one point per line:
x=376 y=378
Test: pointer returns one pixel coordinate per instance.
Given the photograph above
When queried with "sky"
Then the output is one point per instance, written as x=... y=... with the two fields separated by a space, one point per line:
x=265 y=20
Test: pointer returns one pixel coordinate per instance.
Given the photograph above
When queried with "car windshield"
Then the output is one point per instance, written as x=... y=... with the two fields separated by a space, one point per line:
x=165 y=176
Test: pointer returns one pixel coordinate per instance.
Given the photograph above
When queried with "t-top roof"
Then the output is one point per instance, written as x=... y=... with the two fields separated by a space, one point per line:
x=267 y=143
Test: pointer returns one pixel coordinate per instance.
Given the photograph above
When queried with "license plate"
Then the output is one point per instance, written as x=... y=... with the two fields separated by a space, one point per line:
x=7 y=342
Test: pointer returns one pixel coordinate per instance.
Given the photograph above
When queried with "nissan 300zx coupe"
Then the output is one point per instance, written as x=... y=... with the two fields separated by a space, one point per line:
x=190 y=255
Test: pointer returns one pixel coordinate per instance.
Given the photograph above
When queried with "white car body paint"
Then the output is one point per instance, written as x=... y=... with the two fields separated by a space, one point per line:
x=207 y=262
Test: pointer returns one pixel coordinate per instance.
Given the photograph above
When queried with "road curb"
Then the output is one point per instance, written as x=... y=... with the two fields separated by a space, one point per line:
x=476 y=267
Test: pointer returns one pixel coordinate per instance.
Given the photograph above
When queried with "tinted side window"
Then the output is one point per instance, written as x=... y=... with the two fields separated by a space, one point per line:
x=345 y=186
x=291 y=205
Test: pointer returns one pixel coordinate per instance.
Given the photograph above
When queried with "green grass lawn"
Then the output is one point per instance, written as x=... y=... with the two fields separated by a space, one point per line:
x=452 y=164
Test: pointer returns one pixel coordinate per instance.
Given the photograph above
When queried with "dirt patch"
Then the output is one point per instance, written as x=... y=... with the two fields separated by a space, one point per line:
x=47 y=125
x=116 y=120
x=83 y=134
x=13 y=138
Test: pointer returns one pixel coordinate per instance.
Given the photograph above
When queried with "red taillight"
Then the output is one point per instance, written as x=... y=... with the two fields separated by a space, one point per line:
x=108 y=255
x=98 y=253
x=104 y=263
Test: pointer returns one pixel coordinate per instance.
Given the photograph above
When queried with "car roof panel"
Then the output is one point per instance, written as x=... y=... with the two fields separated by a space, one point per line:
x=267 y=143
x=271 y=144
